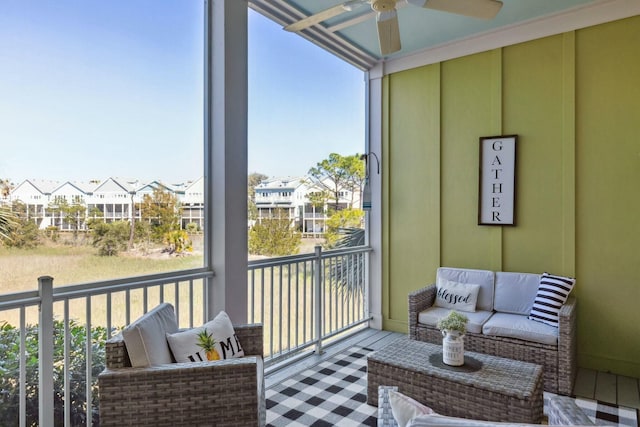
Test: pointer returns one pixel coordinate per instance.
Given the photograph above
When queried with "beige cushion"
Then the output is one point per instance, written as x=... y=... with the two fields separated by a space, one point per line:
x=515 y=292
x=185 y=348
x=146 y=337
x=434 y=420
x=431 y=316
x=484 y=278
x=520 y=327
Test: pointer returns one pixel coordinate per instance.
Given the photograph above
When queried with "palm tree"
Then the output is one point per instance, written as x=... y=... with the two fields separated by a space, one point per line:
x=348 y=270
x=7 y=222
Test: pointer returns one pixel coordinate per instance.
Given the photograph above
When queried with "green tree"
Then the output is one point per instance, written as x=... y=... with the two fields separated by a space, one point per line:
x=338 y=222
x=76 y=395
x=274 y=236
x=110 y=238
x=73 y=214
x=8 y=221
x=21 y=232
x=162 y=211
x=178 y=242
x=338 y=173
x=253 y=180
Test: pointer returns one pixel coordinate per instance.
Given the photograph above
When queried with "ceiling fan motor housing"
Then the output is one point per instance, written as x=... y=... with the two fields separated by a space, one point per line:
x=383 y=5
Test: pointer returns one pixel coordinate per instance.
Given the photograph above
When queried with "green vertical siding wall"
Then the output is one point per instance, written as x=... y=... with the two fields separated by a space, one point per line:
x=574 y=101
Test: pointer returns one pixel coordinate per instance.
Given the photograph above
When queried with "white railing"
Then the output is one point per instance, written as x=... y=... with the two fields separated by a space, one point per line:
x=303 y=301
x=64 y=327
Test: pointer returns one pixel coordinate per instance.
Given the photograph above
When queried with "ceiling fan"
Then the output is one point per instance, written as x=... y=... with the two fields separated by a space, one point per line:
x=387 y=16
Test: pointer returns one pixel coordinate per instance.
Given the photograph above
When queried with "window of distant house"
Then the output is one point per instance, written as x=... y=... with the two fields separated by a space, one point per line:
x=100 y=102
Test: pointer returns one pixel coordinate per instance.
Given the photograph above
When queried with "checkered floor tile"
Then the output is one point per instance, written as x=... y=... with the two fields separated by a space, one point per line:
x=333 y=393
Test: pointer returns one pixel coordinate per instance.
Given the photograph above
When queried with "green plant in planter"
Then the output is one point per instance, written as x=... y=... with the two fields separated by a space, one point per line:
x=454 y=321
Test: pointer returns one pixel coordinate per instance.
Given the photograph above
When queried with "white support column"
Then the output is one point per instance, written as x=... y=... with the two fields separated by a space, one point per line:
x=374 y=226
x=227 y=156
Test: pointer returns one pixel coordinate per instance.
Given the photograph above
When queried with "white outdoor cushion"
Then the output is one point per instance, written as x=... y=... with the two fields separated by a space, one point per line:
x=520 y=327
x=405 y=408
x=515 y=292
x=146 y=338
x=431 y=316
x=433 y=420
x=484 y=278
x=456 y=296
x=185 y=348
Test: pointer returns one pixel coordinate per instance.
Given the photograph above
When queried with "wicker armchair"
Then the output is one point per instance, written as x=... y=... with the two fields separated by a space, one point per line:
x=559 y=361
x=222 y=393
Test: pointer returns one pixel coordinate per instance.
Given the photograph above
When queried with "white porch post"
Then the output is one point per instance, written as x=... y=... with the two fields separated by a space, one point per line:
x=226 y=154
x=374 y=137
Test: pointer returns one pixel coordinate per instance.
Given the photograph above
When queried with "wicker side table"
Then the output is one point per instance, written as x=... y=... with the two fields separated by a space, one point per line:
x=491 y=388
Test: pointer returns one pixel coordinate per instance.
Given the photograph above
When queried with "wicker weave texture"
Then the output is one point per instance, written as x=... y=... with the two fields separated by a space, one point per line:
x=559 y=362
x=502 y=390
x=222 y=393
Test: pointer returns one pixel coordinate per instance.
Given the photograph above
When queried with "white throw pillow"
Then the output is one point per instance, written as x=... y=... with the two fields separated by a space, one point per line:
x=146 y=338
x=553 y=292
x=405 y=408
x=458 y=296
x=185 y=347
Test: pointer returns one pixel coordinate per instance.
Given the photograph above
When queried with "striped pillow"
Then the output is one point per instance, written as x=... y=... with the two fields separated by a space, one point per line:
x=553 y=292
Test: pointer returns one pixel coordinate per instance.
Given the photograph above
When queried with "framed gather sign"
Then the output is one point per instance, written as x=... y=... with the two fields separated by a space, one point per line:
x=497 y=180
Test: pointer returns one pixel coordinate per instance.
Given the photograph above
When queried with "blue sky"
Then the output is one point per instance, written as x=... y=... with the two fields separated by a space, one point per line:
x=92 y=89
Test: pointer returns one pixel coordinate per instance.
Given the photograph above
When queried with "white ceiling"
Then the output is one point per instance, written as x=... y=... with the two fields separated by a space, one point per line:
x=420 y=29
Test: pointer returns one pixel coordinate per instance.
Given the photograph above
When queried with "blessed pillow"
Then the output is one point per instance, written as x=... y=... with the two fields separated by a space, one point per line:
x=405 y=408
x=553 y=292
x=454 y=295
x=215 y=340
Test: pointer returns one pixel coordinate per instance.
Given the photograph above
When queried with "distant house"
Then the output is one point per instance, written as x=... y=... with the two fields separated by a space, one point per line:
x=113 y=199
x=35 y=195
x=192 y=202
x=295 y=195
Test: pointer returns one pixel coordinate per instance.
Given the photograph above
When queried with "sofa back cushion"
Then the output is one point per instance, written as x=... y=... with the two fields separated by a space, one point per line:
x=484 y=278
x=146 y=338
x=515 y=292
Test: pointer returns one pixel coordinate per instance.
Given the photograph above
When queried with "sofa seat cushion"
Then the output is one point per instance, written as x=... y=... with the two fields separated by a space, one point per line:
x=518 y=326
x=431 y=316
x=484 y=278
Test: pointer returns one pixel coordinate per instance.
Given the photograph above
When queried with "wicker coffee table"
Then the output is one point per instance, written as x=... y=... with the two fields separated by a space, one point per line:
x=485 y=388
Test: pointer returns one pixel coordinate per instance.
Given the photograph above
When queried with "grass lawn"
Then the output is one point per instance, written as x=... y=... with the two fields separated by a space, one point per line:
x=20 y=268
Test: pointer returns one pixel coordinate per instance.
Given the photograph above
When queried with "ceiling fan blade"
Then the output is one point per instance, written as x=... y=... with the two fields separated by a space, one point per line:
x=388 y=32
x=323 y=15
x=484 y=9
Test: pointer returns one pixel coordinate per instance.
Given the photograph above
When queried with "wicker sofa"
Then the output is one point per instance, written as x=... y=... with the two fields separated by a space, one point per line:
x=508 y=297
x=222 y=393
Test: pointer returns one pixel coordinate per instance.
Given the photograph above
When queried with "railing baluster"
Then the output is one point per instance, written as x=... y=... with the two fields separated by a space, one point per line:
x=191 y=303
x=67 y=363
x=88 y=364
x=318 y=300
x=176 y=297
x=45 y=352
x=23 y=368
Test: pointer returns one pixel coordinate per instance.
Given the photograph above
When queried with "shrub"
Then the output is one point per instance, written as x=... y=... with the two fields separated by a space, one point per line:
x=10 y=369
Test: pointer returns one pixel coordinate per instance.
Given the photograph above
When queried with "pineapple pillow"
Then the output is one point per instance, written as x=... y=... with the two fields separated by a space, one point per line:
x=215 y=340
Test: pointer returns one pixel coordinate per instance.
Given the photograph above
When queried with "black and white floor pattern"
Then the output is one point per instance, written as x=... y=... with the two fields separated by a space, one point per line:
x=334 y=393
